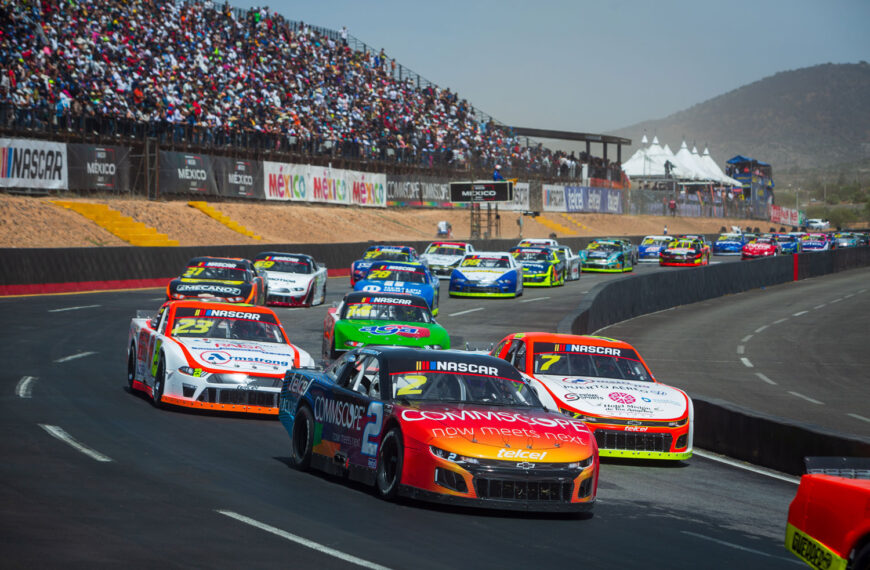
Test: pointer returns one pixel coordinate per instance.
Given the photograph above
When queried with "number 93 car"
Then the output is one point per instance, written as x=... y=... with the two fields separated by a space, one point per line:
x=445 y=426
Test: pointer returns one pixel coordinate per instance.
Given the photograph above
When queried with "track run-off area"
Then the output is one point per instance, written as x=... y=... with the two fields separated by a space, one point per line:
x=94 y=475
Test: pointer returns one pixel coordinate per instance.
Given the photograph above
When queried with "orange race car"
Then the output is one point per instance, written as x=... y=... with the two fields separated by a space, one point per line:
x=829 y=518
x=606 y=384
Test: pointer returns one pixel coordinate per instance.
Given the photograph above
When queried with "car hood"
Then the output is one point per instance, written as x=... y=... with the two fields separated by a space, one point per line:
x=532 y=267
x=598 y=254
x=243 y=356
x=681 y=251
x=384 y=332
x=209 y=287
x=483 y=275
x=617 y=398
x=497 y=432
x=758 y=247
x=284 y=279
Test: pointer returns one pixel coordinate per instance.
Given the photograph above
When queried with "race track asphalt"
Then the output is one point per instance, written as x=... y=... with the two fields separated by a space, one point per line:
x=156 y=497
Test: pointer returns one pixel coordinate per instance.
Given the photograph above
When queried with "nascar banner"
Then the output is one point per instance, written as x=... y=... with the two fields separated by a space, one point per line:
x=99 y=167
x=520 y=203
x=784 y=216
x=183 y=173
x=28 y=163
x=238 y=178
x=553 y=198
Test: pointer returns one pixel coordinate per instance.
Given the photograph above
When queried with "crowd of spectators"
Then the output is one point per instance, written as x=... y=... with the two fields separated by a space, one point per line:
x=207 y=74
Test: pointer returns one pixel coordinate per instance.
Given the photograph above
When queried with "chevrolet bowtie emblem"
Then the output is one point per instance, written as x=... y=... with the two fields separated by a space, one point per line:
x=525 y=465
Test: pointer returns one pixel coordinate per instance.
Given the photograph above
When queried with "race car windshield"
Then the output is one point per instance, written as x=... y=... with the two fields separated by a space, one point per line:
x=488 y=262
x=445 y=250
x=729 y=237
x=387 y=255
x=226 y=328
x=595 y=365
x=403 y=274
x=285 y=265
x=431 y=386
x=682 y=244
x=605 y=247
x=386 y=312
x=215 y=273
x=539 y=256
x=654 y=241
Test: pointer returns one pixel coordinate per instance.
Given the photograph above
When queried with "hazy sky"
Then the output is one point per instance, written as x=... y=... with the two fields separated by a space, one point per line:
x=596 y=66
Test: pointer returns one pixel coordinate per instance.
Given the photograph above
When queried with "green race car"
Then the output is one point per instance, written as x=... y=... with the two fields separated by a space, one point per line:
x=365 y=317
x=608 y=256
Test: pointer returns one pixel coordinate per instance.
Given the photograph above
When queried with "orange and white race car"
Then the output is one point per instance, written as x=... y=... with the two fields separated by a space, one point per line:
x=606 y=384
x=829 y=518
x=211 y=355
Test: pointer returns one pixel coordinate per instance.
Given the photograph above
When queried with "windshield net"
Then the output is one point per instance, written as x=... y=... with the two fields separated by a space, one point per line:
x=367 y=311
x=445 y=250
x=215 y=270
x=387 y=255
x=580 y=360
x=530 y=255
x=225 y=324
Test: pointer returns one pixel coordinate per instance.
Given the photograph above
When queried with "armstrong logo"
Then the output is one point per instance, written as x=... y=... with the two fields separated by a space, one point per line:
x=215 y=357
x=399 y=330
x=452 y=366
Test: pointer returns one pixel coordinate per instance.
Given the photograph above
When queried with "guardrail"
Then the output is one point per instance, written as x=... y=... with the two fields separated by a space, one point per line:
x=722 y=426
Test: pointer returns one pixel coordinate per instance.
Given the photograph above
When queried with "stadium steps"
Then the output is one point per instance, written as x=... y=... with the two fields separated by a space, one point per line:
x=575 y=222
x=223 y=218
x=114 y=222
x=555 y=226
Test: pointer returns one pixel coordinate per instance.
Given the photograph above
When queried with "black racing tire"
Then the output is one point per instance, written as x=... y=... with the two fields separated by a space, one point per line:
x=309 y=300
x=159 y=385
x=390 y=460
x=131 y=366
x=302 y=439
x=862 y=559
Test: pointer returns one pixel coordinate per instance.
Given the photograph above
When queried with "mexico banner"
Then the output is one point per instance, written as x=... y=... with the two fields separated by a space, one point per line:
x=183 y=173
x=308 y=183
x=27 y=163
x=94 y=167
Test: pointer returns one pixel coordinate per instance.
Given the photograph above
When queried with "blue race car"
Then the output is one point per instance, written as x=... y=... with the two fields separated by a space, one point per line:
x=487 y=274
x=729 y=244
x=375 y=253
x=398 y=277
x=651 y=246
x=788 y=243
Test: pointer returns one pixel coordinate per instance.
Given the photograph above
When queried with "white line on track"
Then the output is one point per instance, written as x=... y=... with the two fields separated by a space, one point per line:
x=799 y=313
x=533 y=300
x=849 y=295
x=59 y=433
x=746 y=362
x=24 y=386
x=73 y=308
x=158 y=298
x=465 y=312
x=857 y=417
x=820 y=306
x=302 y=541
x=745 y=466
x=836 y=300
x=746 y=338
x=74 y=356
x=761 y=328
x=738 y=547
x=861 y=290
x=740 y=349
x=778 y=321
x=807 y=398
x=765 y=378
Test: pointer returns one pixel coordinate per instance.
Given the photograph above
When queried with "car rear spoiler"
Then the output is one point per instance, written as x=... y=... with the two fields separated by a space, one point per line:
x=848 y=467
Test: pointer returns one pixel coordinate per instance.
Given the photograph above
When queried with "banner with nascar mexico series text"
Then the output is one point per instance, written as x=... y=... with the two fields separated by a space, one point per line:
x=308 y=183
x=27 y=163
x=186 y=173
x=238 y=177
x=94 y=167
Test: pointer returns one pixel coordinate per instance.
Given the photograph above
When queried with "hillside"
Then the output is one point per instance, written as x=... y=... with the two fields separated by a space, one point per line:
x=810 y=117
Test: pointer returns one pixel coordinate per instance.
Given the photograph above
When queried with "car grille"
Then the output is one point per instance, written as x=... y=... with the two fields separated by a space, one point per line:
x=238 y=397
x=479 y=289
x=632 y=441
x=524 y=490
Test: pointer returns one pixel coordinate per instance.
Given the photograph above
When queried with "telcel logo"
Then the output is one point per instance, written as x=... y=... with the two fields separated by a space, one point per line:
x=521 y=454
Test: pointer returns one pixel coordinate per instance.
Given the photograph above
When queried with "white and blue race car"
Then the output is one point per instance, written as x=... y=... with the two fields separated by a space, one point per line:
x=398 y=277
x=487 y=274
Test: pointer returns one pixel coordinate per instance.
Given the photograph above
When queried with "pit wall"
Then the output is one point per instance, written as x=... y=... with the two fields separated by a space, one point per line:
x=721 y=426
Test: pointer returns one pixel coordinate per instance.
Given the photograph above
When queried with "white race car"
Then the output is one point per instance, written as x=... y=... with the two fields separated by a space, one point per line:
x=211 y=356
x=444 y=256
x=573 y=262
x=487 y=274
x=537 y=242
x=292 y=279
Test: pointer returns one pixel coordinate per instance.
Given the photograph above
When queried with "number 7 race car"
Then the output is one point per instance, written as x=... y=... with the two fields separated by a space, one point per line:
x=211 y=356
x=443 y=426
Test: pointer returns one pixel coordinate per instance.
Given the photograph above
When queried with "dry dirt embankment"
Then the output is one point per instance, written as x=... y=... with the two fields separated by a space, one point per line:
x=27 y=222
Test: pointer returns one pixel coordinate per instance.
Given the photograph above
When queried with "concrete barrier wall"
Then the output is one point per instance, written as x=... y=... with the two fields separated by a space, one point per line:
x=721 y=426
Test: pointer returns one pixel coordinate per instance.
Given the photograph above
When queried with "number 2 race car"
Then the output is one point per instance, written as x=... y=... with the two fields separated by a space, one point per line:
x=372 y=318
x=227 y=279
x=605 y=383
x=211 y=356
x=441 y=426
x=292 y=279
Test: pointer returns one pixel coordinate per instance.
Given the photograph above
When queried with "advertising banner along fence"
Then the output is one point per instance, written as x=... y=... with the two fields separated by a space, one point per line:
x=413 y=190
x=305 y=183
x=238 y=178
x=27 y=163
x=94 y=167
x=182 y=173
x=785 y=216
x=558 y=198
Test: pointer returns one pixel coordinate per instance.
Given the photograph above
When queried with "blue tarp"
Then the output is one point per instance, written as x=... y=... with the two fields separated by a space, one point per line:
x=740 y=159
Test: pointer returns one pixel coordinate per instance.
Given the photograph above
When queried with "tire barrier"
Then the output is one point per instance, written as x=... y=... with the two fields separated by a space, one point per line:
x=721 y=426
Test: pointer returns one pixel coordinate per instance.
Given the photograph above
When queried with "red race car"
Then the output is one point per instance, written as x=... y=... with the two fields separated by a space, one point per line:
x=829 y=518
x=444 y=426
x=685 y=252
x=605 y=383
x=764 y=246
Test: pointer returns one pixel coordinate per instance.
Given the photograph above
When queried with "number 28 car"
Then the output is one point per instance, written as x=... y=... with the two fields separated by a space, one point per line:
x=396 y=277
x=292 y=279
x=487 y=274
x=607 y=384
x=211 y=356
x=219 y=278
x=541 y=266
x=444 y=426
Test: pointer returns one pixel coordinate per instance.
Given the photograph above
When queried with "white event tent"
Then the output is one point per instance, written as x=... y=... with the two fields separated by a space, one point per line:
x=688 y=166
